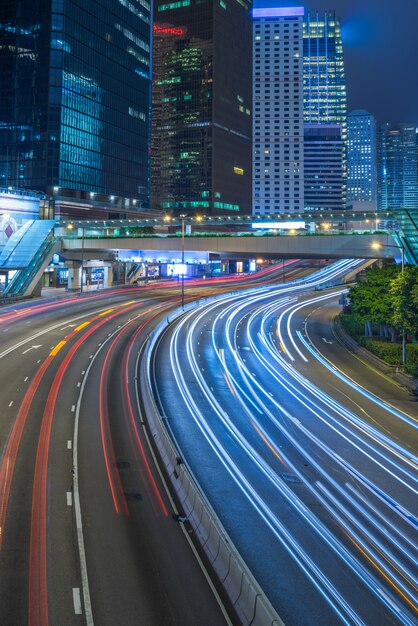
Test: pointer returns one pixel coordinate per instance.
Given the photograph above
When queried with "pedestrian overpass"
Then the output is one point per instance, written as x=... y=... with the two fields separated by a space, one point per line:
x=380 y=235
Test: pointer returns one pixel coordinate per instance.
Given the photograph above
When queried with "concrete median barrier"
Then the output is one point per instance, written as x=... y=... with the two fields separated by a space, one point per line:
x=251 y=605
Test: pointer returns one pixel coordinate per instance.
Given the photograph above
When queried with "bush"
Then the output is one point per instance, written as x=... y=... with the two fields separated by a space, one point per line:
x=389 y=352
x=352 y=325
x=384 y=349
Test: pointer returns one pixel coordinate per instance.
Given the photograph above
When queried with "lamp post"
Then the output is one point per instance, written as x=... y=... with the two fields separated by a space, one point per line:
x=82 y=259
x=182 y=217
x=377 y=246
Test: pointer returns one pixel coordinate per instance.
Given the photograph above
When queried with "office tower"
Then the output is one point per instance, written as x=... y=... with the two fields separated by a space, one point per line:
x=398 y=166
x=323 y=167
x=277 y=110
x=361 y=158
x=325 y=99
x=74 y=99
x=201 y=102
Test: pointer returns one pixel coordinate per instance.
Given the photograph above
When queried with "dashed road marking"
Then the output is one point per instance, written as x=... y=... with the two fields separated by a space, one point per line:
x=69 y=444
x=69 y=498
x=77 y=601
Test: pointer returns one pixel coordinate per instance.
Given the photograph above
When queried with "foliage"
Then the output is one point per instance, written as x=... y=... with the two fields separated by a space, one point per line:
x=370 y=298
x=391 y=353
x=352 y=324
x=386 y=298
x=404 y=296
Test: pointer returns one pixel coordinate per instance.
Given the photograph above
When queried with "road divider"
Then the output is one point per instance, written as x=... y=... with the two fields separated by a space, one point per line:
x=248 y=599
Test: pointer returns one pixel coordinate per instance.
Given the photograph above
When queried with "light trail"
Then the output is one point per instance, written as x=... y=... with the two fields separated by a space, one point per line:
x=379 y=560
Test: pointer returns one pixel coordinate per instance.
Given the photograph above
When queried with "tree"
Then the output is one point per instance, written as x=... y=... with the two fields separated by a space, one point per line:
x=370 y=297
x=404 y=294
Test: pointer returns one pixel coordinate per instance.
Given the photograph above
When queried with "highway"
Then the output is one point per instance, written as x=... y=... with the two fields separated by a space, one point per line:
x=313 y=476
x=87 y=534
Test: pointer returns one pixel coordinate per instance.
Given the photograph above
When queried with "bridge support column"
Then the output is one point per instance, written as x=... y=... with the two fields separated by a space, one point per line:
x=74 y=275
x=107 y=276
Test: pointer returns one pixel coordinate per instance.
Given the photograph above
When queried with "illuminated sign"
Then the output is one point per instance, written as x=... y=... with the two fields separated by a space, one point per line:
x=177 y=269
x=279 y=12
x=278 y=225
x=162 y=30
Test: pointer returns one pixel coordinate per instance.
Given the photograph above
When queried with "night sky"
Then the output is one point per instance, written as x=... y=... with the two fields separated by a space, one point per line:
x=380 y=40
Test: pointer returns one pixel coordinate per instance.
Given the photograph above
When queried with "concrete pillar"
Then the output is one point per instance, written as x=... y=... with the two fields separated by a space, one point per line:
x=108 y=276
x=74 y=275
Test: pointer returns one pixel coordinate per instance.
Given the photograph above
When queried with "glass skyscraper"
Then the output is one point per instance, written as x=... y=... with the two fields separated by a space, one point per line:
x=75 y=98
x=325 y=103
x=398 y=167
x=361 y=157
x=201 y=102
x=323 y=71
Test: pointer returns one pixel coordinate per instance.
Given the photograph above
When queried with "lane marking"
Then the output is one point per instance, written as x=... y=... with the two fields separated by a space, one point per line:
x=27 y=378
x=106 y=312
x=10 y=403
x=81 y=326
x=69 y=498
x=32 y=348
x=73 y=408
x=69 y=444
x=57 y=348
x=77 y=601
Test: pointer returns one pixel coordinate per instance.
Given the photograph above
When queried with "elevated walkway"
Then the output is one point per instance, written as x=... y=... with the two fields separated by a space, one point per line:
x=29 y=250
x=408 y=219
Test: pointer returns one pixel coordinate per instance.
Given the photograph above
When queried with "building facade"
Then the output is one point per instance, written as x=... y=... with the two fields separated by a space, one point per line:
x=201 y=102
x=361 y=158
x=278 y=170
x=323 y=148
x=325 y=103
x=74 y=99
x=398 y=166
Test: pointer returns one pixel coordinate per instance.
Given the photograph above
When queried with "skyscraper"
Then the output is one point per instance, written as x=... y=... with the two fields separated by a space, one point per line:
x=361 y=157
x=325 y=103
x=74 y=98
x=278 y=110
x=201 y=127
x=323 y=154
x=398 y=166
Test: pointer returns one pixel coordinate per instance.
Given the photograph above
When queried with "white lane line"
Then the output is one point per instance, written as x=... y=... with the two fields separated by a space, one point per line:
x=69 y=444
x=38 y=361
x=27 y=378
x=83 y=372
x=69 y=498
x=77 y=506
x=73 y=408
x=78 y=384
x=173 y=504
x=10 y=403
x=77 y=601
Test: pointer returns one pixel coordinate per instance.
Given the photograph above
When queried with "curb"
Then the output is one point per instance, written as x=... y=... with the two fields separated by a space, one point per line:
x=402 y=379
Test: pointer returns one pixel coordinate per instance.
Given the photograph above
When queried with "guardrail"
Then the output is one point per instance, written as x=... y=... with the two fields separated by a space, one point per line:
x=248 y=599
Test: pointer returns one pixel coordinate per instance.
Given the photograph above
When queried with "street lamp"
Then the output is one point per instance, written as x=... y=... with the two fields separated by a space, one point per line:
x=182 y=217
x=71 y=227
x=82 y=258
x=376 y=245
